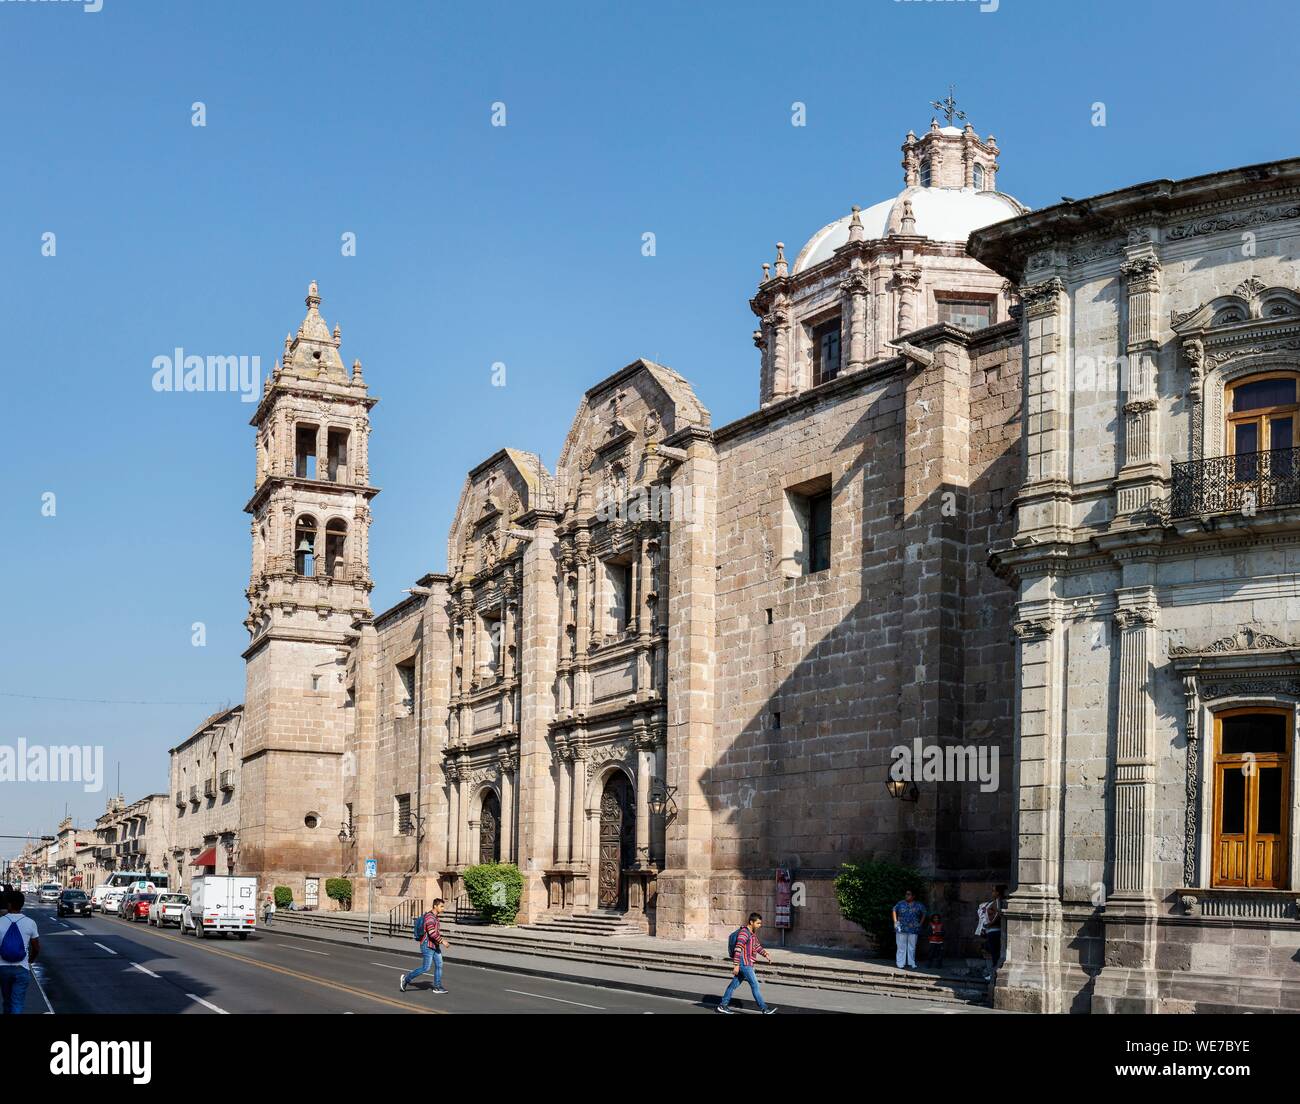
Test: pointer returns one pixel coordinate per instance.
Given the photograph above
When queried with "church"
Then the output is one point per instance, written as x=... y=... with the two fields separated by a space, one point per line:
x=1018 y=485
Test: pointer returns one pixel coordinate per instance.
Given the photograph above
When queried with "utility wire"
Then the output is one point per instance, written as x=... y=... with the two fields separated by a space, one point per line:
x=101 y=701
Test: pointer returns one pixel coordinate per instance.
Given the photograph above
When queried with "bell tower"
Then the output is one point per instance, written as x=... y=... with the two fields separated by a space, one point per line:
x=310 y=582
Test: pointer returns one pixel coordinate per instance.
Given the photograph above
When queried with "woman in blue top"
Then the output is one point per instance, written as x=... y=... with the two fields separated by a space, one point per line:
x=909 y=915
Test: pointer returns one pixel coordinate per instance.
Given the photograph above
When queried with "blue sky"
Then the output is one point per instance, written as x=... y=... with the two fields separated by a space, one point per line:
x=475 y=244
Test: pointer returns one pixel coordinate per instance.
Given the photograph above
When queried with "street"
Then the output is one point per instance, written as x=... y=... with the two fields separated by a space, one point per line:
x=106 y=965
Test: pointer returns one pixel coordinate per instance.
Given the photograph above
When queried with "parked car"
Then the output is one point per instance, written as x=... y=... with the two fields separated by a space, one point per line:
x=73 y=902
x=168 y=908
x=139 y=905
x=50 y=892
x=111 y=899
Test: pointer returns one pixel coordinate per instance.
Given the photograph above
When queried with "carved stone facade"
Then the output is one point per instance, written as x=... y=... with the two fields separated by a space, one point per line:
x=1156 y=556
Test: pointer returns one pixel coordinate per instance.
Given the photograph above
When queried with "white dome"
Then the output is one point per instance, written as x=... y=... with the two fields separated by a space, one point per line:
x=942 y=214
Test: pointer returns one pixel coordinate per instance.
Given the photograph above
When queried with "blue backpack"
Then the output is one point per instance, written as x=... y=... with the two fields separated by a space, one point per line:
x=13 y=948
x=417 y=928
x=731 y=944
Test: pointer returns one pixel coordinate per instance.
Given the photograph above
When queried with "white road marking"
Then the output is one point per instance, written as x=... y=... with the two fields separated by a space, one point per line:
x=41 y=989
x=108 y=949
x=142 y=970
x=307 y=949
x=560 y=1000
x=207 y=1004
x=388 y=967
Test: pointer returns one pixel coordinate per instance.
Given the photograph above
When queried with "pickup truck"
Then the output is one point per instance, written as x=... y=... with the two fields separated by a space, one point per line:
x=221 y=903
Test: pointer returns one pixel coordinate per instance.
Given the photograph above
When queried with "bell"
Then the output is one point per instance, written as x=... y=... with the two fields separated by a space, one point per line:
x=305 y=546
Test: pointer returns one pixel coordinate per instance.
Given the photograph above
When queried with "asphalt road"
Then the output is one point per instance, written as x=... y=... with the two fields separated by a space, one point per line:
x=104 y=965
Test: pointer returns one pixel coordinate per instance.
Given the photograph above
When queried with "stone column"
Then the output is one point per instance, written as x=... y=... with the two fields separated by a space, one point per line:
x=1141 y=479
x=507 y=828
x=779 y=322
x=1044 y=500
x=1127 y=982
x=539 y=627
x=583 y=624
x=645 y=762
x=689 y=580
x=853 y=289
x=1030 y=978
x=578 y=750
x=452 y=772
x=909 y=280
x=563 y=805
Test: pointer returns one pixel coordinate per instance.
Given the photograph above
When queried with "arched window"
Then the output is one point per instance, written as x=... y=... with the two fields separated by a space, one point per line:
x=977 y=178
x=1261 y=418
x=1252 y=769
x=304 y=545
x=925 y=172
x=336 y=537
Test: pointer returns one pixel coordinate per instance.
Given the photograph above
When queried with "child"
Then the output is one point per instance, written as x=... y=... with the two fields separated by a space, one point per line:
x=936 y=941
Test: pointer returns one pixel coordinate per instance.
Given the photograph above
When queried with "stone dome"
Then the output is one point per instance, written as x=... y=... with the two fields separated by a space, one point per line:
x=942 y=214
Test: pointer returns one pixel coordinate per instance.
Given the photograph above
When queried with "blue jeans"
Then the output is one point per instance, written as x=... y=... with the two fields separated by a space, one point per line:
x=746 y=974
x=432 y=958
x=13 y=985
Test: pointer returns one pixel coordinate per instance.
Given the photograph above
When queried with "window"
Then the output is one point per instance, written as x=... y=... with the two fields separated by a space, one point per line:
x=336 y=542
x=826 y=351
x=1261 y=418
x=618 y=609
x=304 y=545
x=338 y=455
x=925 y=172
x=1251 y=797
x=806 y=534
x=305 y=452
x=402 y=815
x=406 y=687
x=966 y=314
x=977 y=178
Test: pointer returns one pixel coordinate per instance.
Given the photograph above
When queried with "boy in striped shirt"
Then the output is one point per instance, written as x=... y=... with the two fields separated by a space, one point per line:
x=747 y=950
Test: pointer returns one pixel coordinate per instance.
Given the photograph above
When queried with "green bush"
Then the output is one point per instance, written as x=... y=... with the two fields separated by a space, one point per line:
x=340 y=890
x=283 y=897
x=494 y=890
x=868 y=891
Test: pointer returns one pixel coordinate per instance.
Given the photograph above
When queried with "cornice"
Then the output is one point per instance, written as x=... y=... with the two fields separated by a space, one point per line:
x=273 y=481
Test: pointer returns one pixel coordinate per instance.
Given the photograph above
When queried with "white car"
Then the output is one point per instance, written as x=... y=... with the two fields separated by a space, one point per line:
x=50 y=892
x=97 y=897
x=111 y=899
x=168 y=908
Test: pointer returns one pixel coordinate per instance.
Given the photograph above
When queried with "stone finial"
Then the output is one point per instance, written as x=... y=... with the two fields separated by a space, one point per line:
x=991 y=142
x=338 y=334
x=856 y=230
x=313 y=296
x=767 y=272
x=934 y=124
x=781 y=267
x=357 y=377
x=908 y=227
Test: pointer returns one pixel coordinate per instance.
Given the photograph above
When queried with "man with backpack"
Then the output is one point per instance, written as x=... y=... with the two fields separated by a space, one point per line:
x=428 y=930
x=20 y=946
x=743 y=948
x=989 y=926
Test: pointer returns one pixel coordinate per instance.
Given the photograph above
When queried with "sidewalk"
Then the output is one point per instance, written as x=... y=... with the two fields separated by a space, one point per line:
x=803 y=980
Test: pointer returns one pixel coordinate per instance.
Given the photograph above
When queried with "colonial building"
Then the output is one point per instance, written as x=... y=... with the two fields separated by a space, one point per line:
x=205 y=783
x=1155 y=558
x=685 y=658
x=132 y=836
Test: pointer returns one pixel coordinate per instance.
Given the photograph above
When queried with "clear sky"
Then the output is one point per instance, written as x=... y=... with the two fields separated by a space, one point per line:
x=475 y=244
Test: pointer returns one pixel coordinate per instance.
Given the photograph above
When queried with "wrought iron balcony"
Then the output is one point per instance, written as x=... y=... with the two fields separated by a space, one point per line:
x=209 y=787
x=180 y=799
x=1240 y=484
x=194 y=795
x=227 y=781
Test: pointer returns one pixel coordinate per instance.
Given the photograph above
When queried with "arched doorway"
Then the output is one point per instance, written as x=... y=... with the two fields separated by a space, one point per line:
x=617 y=840
x=489 y=830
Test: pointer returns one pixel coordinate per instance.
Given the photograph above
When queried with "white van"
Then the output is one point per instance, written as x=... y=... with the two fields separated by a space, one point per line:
x=221 y=903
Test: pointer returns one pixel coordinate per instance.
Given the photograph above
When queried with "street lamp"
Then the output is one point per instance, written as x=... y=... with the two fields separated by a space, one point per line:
x=902 y=789
x=661 y=798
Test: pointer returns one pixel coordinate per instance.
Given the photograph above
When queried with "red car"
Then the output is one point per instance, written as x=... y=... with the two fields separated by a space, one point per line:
x=137 y=908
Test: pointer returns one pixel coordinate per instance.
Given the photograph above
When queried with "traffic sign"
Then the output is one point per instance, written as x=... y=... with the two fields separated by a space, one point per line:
x=372 y=868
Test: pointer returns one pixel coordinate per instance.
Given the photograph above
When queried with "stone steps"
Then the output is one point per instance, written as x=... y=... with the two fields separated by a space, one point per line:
x=600 y=924
x=549 y=941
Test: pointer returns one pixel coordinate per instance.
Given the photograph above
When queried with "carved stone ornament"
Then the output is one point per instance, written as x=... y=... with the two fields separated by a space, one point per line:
x=1245 y=639
x=1032 y=628
x=1135 y=616
x=1139 y=268
x=1041 y=297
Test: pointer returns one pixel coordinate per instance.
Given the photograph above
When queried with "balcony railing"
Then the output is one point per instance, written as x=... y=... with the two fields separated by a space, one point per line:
x=194 y=795
x=209 y=787
x=180 y=799
x=1238 y=484
x=227 y=781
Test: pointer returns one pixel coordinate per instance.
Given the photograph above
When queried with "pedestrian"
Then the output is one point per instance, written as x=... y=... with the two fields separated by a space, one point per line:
x=20 y=946
x=744 y=949
x=934 y=958
x=268 y=909
x=990 y=927
x=909 y=915
x=432 y=944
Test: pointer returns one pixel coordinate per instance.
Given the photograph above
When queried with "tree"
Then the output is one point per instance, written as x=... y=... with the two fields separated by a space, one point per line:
x=340 y=890
x=494 y=890
x=867 y=892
